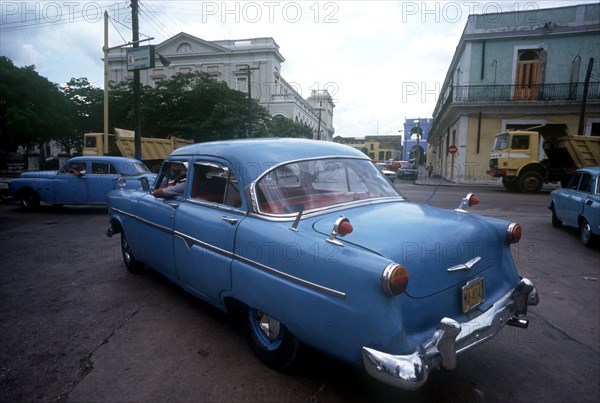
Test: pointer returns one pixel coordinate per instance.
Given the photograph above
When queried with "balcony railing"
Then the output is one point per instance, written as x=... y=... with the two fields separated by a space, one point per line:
x=531 y=94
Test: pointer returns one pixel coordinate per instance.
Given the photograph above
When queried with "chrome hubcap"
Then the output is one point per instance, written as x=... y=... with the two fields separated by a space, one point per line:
x=269 y=327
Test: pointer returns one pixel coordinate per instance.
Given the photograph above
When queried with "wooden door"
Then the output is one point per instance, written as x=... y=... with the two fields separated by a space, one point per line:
x=528 y=75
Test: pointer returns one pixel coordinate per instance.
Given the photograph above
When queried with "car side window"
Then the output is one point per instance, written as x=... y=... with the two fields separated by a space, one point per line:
x=586 y=183
x=103 y=168
x=215 y=183
x=74 y=168
x=172 y=180
x=574 y=181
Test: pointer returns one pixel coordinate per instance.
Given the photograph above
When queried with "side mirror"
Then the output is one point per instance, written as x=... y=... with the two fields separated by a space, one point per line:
x=145 y=184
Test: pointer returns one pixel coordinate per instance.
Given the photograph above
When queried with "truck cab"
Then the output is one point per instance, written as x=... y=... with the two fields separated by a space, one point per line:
x=517 y=157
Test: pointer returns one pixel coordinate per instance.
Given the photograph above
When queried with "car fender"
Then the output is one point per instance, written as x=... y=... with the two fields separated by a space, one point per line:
x=303 y=276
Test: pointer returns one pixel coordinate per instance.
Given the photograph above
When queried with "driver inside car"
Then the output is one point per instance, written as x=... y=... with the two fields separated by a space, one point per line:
x=176 y=184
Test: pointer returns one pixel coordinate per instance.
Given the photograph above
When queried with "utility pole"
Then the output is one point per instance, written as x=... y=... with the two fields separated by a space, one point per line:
x=137 y=121
x=248 y=70
x=586 y=86
x=105 y=49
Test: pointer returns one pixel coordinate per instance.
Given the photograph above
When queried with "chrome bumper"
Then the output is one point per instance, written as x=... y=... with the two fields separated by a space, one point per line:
x=450 y=339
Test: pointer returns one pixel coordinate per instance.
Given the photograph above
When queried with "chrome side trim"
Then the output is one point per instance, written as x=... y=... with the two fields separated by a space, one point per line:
x=217 y=206
x=190 y=241
x=450 y=339
x=143 y=220
x=291 y=278
x=326 y=209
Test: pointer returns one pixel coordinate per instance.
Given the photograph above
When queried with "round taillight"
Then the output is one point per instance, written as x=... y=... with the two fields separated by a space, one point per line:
x=394 y=279
x=514 y=232
x=344 y=227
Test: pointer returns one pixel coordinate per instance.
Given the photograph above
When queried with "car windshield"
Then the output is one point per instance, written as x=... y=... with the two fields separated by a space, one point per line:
x=134 y=168
x=501 y=142
x=318 y=184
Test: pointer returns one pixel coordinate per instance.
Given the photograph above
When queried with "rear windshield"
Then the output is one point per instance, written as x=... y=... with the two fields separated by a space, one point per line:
x=317 y=184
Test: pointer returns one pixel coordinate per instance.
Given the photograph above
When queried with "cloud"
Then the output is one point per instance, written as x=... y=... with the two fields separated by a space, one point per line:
x=382 y=60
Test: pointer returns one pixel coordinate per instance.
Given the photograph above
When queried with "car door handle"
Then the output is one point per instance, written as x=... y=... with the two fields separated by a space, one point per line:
x=589 y=202
x=230 y=220
x=174 y=205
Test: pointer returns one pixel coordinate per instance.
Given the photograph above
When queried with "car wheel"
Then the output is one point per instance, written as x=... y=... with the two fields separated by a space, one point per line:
x=130 y=262
x=586 y=235
x=269 y=339
x=29 y=199
x=556 y=222
x=531 y=182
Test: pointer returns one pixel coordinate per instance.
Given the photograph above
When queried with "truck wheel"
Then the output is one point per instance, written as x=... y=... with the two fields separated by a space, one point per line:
x=531 y=182
x=586 y=235
x=510 y=183
x=29 y=199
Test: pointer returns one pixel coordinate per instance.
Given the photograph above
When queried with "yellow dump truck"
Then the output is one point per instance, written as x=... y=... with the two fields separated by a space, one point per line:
x=154 y=150
x=526 y=159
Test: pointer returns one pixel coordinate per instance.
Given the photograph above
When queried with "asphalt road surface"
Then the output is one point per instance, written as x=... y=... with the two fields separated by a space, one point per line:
x=76 y=326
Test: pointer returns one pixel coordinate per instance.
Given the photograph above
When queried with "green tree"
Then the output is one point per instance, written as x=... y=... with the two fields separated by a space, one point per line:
x=87 y=111
x=195 y=106
x=280 y=126
x=32 y=109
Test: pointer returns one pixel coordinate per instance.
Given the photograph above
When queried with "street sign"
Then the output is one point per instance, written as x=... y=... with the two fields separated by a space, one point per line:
x=139 y=58
x=452 y=149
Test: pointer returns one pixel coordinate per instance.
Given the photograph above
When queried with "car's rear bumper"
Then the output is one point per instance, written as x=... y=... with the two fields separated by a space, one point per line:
x=450 y=339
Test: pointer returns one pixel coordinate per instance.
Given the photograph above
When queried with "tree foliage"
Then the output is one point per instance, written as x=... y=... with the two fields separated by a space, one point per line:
x=87 y=111
x=33 y=110
x=283 y=127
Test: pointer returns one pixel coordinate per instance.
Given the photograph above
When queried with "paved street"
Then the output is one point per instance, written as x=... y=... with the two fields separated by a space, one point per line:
x=76 y=326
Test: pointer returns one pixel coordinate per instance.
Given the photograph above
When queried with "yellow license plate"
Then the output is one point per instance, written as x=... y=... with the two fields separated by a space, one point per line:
x=473 y=294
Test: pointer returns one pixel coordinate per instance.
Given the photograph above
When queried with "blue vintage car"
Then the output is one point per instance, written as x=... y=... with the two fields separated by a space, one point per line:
x=82 y=180
x=578 y=204
x=308 y=244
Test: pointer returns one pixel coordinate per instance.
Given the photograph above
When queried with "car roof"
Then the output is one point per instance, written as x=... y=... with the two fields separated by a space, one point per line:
x=96 y=158
x=255 y=156
x=592 y=170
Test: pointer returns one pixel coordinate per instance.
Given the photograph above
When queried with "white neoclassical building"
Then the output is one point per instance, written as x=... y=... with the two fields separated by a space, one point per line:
x=255 y=61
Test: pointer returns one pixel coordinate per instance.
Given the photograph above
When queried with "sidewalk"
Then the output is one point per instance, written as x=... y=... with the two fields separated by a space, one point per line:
x=437 y=180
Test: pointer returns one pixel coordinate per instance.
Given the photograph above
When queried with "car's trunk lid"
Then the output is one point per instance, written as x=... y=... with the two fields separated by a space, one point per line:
x=426 y=240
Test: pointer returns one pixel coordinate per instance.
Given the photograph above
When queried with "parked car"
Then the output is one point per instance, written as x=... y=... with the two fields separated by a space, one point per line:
x=391 y=175
x=393 y=165
x=82 y=180
x=293 y=238
x=407 y=171
x=578 y=205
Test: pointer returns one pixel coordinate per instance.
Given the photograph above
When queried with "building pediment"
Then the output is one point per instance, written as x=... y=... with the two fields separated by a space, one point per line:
x=183 y=43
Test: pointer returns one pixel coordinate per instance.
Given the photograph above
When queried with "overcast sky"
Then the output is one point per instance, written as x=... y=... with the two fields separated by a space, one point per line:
x=382 y=61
